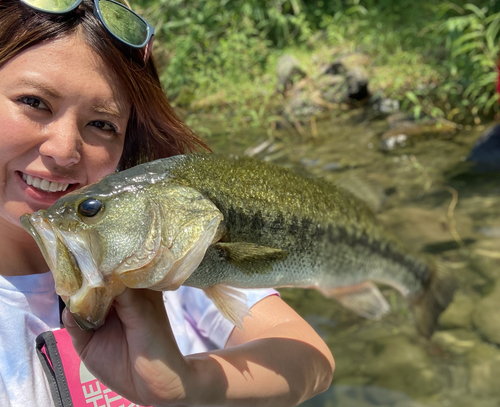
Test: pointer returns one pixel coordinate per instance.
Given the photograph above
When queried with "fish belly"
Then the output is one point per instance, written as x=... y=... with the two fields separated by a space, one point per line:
x=325 y=264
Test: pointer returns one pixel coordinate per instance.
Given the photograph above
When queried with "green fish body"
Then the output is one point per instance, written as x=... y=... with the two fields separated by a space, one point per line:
x=218 y=222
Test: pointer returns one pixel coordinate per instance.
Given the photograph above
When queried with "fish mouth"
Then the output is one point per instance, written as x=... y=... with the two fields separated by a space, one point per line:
x=77 y=279
x=28 y=227
x=43 y=227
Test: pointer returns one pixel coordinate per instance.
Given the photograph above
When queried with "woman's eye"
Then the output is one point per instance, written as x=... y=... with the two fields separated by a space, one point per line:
x=34 y=102
x=105 y=126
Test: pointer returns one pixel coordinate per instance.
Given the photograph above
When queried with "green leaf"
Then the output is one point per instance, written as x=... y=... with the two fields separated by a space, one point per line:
x=412 y=97
x=464 y=49
x=417 y=111
x=466 y=37
x=476 y=10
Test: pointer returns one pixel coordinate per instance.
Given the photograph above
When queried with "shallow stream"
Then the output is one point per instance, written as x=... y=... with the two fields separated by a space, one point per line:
x=435 y=206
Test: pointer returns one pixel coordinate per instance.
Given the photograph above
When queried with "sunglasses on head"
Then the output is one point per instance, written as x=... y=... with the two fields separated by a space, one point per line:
x=120 y=21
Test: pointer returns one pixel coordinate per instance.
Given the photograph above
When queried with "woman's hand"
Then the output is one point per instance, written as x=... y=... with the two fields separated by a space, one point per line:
x=134 y=352
x=277 y=360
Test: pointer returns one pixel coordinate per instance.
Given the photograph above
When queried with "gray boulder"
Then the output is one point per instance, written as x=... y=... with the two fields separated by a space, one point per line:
x=341 y=85
x=289 y=72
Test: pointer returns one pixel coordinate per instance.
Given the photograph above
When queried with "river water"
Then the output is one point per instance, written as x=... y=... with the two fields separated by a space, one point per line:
x=434 y=205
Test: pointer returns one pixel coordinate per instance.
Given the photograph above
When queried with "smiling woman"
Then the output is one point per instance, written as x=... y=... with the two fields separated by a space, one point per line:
x=77 y=102
x=55 y=126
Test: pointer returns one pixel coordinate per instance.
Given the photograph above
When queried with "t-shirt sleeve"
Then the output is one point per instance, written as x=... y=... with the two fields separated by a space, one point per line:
x=207 y=319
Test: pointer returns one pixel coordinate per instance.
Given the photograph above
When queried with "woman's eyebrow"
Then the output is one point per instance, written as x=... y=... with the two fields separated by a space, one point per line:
x=104 y=107
x=107 y=108
x=43 y=87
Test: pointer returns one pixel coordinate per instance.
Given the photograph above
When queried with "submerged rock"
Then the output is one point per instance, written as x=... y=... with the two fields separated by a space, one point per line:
x=399 y=364
x=403 y=127
x=418 y=227
x=484 y=370
x=339 y=395
x=485 y=260
x=384 y=397
x=489 y=231
x=486 y=316
x=457 y=341
x=384 y=106
x=393 y=140
x=408 y=403
x=459 y=312
x=361 y=395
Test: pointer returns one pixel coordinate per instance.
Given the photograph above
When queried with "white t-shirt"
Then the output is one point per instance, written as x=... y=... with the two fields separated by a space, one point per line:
x=30 y=306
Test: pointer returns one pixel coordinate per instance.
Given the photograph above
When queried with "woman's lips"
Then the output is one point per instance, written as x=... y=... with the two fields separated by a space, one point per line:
x=42 y=190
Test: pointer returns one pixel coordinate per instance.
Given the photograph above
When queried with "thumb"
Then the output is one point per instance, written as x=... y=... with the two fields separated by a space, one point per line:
x=79 y=336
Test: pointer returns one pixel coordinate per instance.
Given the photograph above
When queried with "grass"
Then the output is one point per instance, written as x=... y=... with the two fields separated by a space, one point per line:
x=218 y=58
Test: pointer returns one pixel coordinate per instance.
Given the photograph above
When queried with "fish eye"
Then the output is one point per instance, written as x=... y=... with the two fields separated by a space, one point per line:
x=89 y=207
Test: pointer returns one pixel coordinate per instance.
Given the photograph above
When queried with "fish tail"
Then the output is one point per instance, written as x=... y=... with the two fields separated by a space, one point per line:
x=428 y=304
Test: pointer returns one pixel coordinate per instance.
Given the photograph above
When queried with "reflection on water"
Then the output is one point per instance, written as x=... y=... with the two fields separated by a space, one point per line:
x=434 y=206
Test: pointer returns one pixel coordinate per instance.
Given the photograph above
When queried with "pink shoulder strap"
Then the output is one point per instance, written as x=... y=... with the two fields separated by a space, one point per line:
x=71 y=383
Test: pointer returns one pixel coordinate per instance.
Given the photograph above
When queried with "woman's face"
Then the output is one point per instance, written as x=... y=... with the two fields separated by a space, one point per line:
x=63 y=117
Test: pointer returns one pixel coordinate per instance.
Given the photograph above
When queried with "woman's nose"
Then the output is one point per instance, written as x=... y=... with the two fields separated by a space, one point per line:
x=62 y=143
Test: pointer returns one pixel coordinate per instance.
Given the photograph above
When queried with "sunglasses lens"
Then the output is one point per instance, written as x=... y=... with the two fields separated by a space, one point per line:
x=123 y=23
x=52 y=6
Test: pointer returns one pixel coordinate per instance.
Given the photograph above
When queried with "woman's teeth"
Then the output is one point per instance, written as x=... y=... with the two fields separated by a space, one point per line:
x=44 y=184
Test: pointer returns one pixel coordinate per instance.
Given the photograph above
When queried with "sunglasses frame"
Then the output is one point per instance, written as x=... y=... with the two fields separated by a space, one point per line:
x=98 y=14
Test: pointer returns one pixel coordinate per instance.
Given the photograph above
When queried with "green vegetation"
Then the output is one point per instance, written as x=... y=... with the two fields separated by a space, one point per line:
x=219 y=57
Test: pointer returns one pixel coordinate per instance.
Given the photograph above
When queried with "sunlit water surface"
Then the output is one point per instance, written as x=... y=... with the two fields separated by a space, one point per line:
x=434 y=206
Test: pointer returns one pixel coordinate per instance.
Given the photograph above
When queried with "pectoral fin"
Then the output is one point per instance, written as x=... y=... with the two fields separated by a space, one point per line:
x=250 y=258
x=230 y=302
x=363 y=299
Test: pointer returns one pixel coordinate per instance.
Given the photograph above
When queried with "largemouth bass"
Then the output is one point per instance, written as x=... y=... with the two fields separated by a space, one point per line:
x=216 y=223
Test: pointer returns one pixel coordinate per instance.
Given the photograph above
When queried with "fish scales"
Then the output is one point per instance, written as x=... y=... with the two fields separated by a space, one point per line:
x=218 y=222
x=323 y=216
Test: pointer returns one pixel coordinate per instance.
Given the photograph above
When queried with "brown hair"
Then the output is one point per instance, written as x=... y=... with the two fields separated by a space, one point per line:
x=154 y=130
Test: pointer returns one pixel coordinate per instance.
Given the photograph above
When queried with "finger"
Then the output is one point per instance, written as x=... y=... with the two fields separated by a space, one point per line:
x=144 y=319
x=137 y=307
x=139 y=298
x=80 y=337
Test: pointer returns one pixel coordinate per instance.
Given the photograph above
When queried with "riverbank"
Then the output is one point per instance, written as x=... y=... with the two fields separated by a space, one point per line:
x=220 y=60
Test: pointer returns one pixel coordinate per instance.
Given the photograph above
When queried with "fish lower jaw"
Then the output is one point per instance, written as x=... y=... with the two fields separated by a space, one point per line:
x=44 y=184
